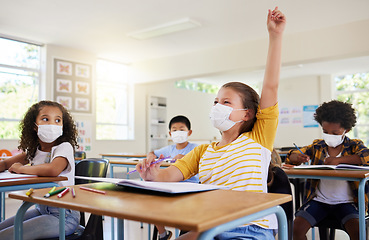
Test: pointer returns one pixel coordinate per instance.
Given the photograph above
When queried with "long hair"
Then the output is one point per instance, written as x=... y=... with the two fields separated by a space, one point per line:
x=29 y=141
x=250 y=100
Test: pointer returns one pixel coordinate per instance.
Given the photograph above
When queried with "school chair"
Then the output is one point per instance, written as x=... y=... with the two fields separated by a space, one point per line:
x=89 y=167
x=278 y=182
x=79 y=155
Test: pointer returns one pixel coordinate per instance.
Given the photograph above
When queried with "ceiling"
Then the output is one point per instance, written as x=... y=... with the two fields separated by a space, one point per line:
x=101 y=27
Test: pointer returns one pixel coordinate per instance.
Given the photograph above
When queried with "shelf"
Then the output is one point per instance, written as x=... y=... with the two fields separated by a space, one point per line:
x=157 y=110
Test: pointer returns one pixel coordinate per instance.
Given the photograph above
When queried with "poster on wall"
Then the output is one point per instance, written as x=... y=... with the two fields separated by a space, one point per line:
x=308 y=115
x=290 y=116
x=84 y=135
x=72 y=85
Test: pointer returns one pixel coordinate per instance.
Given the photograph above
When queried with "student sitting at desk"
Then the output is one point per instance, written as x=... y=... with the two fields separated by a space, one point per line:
x=240 y=160
x=179 y=130
x=325 y=197
x=47 y=141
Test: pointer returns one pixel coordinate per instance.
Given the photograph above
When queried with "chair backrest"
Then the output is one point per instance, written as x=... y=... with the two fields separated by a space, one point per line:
x=91 y=167
x=280 y=183
x=80 y=155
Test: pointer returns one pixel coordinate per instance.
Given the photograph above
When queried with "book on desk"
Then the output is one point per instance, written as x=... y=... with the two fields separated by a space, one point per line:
x=9 y=175
x=328 y=167
x=164 y=187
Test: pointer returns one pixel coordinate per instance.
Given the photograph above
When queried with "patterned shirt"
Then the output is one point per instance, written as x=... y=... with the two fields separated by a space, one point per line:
x=318 y=151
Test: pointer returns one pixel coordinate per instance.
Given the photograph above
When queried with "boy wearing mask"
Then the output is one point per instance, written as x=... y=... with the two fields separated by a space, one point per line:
x=179 y=131
x=325 y=196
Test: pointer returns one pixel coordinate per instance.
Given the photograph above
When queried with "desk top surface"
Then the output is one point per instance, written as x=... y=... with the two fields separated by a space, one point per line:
x=133 y=162
x=326 y=172
x=193 y=211
x=123 y=155
x=30 y=180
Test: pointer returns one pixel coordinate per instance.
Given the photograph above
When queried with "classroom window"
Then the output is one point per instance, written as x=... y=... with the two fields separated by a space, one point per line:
x=354 y=89
x=19 y=83
x=114 y=102
x=197 y=86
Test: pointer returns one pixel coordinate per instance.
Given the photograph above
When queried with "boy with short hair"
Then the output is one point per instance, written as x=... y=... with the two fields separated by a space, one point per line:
x=179 y=130
x=324 y=196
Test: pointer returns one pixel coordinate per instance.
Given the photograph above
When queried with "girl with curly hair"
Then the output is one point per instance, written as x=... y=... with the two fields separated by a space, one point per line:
x=327 y=197
x=48 y=139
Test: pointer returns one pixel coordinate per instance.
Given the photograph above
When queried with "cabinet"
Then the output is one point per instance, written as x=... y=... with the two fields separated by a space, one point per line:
x=157 y=125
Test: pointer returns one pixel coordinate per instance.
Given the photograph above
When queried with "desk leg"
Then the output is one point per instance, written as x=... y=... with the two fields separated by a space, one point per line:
x=278 y=210
x=120 y=229
x=61 y=224
x=362 y=209
x=18 y=221
x=2 y=209
x=111 y=173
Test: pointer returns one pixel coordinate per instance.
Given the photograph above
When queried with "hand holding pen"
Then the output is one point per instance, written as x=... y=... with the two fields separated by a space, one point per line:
x=300 y=158
x=149 y=168
x=159 y=160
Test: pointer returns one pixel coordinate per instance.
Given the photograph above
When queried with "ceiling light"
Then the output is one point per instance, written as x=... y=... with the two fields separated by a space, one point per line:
x=167 y=28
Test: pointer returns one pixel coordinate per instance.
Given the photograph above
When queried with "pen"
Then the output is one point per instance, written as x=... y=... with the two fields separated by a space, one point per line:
x=157 y=161
x=63 y=193
x=73 y=192
x=298 y=148
x=29 y=192
x=55 y=192
x=52 y=190
x=92 y=190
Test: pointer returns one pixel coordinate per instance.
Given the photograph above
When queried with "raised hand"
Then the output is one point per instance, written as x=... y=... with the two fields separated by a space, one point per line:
x=276 y=21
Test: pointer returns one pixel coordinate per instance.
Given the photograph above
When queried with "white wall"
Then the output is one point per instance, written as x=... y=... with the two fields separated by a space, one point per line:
x=348 y=40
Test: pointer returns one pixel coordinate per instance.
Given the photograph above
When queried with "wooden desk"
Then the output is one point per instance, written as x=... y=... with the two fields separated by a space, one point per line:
x=8 y=185
x=122 y=155
x=122 y=162
x=361 y=176
x=208 y=212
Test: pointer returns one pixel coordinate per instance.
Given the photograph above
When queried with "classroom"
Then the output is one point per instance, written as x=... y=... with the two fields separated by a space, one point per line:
x=80 y=45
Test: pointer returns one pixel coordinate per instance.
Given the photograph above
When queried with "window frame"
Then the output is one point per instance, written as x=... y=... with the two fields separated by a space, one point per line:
x=38 y=78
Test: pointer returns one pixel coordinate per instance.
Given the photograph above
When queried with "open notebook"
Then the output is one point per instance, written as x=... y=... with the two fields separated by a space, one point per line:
x=166 y=187
x=334 y=167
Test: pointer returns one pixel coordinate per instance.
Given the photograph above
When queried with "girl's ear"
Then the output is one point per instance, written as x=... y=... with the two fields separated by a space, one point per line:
x=189 y=132
x=170 y=134
x=248 y=115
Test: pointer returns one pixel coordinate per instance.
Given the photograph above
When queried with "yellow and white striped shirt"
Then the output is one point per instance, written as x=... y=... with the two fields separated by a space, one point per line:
x=241 y=165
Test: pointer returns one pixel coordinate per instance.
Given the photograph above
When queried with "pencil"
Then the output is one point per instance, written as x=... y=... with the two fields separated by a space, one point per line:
x=63 y=193
x=157 y=161
x=55 y=192
x=298 y=148
x=73 y=192
x=92 y=190
x=29 y=192
x=52 y=190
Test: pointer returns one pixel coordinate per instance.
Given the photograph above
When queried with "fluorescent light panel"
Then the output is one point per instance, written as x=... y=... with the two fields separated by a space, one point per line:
x=167 y=28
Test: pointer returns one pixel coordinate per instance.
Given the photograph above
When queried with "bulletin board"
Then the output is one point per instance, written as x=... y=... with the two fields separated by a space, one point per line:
x=84 y=135
x=73 y=85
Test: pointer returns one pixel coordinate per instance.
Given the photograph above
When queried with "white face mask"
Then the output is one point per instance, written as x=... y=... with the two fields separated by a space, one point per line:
x=49 y=133
x=179 y=136
x=333 y=140
x=219 y=116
